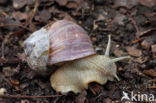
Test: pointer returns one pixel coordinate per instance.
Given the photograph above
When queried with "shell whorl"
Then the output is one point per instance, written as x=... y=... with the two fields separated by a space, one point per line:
x=68 y=41
x=56 y=43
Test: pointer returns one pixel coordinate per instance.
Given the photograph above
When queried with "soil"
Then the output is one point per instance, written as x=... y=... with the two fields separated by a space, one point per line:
x=131 y=23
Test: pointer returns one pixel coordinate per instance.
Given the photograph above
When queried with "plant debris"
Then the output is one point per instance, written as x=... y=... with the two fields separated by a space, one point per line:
x=131 y=23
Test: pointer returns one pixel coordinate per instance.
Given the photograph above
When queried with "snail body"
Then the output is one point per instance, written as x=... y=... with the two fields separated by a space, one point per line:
x=76 y=75
x=66 y=43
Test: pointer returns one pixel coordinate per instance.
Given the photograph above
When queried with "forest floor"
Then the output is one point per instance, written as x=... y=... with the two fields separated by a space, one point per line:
x=132 y=24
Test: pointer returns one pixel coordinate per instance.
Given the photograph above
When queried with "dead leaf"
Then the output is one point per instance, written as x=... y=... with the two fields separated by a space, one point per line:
x=133 y=51
x=150 y=72
x=62 y=2
x=9 y=20
x=45 y=15
x=66 y=16
x=17 y=4
x=95 y=88
x=72 y=5
x=140 y=60
x=146 y=32
x=22 y=86
x=148 y=3
x=19 y=15
x=118 y=52
x=145 y=44
x=119 y=20
x=22 y=56
x=154 y=50
x=101 y=17
x=8 y=71
x=125 y=3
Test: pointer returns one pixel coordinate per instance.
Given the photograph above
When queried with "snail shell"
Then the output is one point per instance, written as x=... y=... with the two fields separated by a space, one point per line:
x=68 y=41
x=56 y=43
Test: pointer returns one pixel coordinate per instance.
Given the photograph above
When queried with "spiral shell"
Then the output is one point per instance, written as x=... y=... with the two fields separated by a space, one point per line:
x=68 y=41
x=56 y=43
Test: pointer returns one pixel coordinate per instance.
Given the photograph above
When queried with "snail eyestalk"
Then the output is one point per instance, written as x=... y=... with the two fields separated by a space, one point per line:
x=108 y=46
x=118 y=59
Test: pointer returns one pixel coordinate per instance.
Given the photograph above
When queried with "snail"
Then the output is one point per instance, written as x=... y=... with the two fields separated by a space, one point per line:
x=66 y=43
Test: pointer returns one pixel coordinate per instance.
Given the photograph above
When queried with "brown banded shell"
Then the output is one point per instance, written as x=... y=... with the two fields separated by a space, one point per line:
x=68 y=41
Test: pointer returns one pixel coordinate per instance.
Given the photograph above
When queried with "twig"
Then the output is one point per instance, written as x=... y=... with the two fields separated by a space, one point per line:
x=133 y=22
x=5 y=79
x=152 y=87
x=146 y=31
x=10 y=61
x=2 y=48
x=125 y=11
x=31 y=16
x=17 y=33
x=137 y=40
x=18 y=25
x=19 y=96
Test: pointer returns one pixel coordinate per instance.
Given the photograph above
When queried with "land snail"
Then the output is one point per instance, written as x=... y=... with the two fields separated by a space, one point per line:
x=66 y=43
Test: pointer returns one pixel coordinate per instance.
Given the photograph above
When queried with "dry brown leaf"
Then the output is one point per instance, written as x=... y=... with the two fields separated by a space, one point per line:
x=62 y=2
x=17 y=4
x=125 y=3
x=95 y=88
x=19 y=15
x=150 y=72
x=119 y=20
x=8 y=71
x=45 y=15
x=154 y=50
x=140 y=60
x=148 y=3
x=145 y=44
x=133 y=51
x=118 y=52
